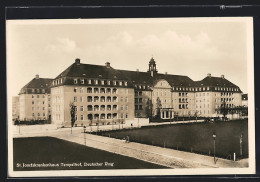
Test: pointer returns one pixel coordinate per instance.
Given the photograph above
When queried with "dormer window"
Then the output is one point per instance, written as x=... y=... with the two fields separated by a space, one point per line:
x=96 y=82
x=125 y=83
x=75 y=81
x=33 y=90
x=82 y=81
x=120 y=83
x=114 y=82
x=61 y=80
x=102 y=82
x=89 y=81
x=108 y=82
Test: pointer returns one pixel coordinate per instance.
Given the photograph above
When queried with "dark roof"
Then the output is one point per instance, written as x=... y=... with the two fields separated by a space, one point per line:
x=215 y=81
x=37 y=83
x=91 y=71
x=80 y=70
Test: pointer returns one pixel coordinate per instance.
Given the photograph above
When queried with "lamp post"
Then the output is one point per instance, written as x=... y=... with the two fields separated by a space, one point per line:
x=214 y=142
x=241 y=141
x=84 y=129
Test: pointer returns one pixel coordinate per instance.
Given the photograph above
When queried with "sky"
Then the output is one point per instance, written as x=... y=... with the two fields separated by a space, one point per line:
x=182 y=46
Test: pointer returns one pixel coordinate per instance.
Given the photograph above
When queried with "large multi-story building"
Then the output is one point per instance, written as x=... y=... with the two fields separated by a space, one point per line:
x=104 y=95
x=35 y=100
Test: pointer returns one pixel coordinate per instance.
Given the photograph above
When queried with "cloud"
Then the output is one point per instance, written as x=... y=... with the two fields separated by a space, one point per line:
x=62 y=44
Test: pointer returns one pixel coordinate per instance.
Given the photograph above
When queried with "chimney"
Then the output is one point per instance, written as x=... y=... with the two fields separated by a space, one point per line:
x=222 y=76
x=37 y=76
x=166 y=73
x=107 y=64
x=77 y=61
x=208 y=75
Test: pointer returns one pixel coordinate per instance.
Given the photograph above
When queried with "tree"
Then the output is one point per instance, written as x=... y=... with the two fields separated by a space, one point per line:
x=158 y=106
x=149 y=108
x=72 y=114
x=223 y=109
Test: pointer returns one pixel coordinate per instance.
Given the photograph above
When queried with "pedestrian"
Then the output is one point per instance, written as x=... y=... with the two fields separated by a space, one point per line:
x=127 y=139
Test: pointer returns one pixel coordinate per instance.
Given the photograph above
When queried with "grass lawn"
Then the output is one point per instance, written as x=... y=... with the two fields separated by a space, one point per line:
x=54 y=151
x=195 y=137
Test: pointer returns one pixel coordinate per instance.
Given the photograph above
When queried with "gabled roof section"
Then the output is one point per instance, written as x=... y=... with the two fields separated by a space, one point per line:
x=91 y=71
x=39 y=83
x=176 y=80
x=216 y=82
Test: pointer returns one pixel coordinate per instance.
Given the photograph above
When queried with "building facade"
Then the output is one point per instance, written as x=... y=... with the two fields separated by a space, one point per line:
x=104 y=95
x=35 y=100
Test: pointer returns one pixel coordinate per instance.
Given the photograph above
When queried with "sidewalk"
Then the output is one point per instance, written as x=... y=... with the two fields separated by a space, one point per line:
x=158 y=155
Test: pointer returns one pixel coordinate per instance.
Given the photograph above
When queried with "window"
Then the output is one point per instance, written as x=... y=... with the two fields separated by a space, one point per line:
x=102 y=99
x=75 y=99
x=114 y=91
x=90 y=108
x=82 y=81
x=32 y=114
x=102 y=90
x=96 y=90
x=42 y=102
x=108 y=99
x=81 y=99
x=122 y=115
x=75 y=81
x=120 y=83
x=102 y=82
x=126 y=99
x=126 y=115
x=122 y=108
x=81 y=108
x=81 y=90
x=81 y=117
x=32 y=102
x=89 y=81
x=108 y=82
x=140 y=107
x=96 y=82
x=75 y=89
x=114 y=82
x=125 y=83
x=76 y=108
x=32 y=96
x=122 y=99
x=96 y=98
x=89 y=99
x=89 y=90
x=33 y=90
x=126 y=107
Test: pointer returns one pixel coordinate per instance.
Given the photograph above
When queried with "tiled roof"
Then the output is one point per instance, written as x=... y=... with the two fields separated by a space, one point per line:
x=37 y=83
x=91 y=71
x=79 y=70
x=136 y=77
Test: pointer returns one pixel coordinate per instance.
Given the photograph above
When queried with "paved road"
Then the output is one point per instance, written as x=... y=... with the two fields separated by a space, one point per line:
x=158 y=155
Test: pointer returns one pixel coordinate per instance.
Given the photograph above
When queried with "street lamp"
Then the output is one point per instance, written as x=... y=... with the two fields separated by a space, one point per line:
x=84 y=128
x=214 y=141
